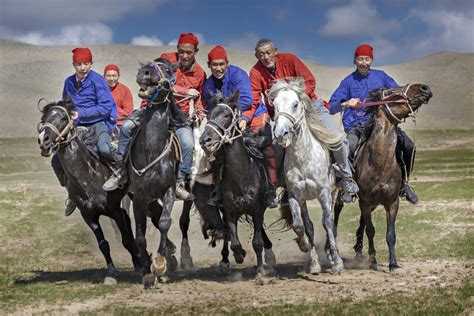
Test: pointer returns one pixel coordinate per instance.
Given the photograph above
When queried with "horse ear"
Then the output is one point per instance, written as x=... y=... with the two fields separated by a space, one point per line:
x=377 y=93
x=42 y=104
x=141 y=64
x=234 y=98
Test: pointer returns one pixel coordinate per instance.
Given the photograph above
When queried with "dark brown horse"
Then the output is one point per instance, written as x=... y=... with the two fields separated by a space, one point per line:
x=377 y=171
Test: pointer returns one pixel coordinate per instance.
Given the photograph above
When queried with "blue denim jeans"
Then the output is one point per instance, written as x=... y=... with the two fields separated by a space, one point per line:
x=186 y=141
x=127 y=131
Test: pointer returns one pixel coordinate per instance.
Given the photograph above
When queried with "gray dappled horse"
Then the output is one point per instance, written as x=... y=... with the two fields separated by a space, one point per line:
x=243 y=180
x=377 y=171
x=85 y=176
x=307 y=170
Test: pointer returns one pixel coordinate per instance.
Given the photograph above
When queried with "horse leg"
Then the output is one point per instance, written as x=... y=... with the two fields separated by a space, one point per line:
x=124 y=226
x=257 y=240
x=298 y=225
x=326 y=203
x=140 y=231
x=314 y=266
x=225 y=264
x=391 y=214
x=239 y=252
x=338 y=205
x=269 y=255
x=370 y=232
x=359 y=239
x=93 y=223
x=186 y=259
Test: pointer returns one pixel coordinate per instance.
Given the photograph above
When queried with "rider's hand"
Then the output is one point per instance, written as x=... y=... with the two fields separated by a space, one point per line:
x=351 y=103
x=193 y=92
x=242 y=125
x=74 y=115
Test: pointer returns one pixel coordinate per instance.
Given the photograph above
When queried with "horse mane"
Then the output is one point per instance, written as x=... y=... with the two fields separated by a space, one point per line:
x=67 y=104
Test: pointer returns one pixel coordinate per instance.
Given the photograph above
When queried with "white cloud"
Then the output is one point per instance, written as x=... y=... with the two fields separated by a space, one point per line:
x=246 y=42
x=144 y=40
x=383 y=48
x=94 y=33
x=356 y=18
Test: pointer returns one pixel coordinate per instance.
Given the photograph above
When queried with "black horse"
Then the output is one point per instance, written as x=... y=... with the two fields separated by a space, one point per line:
x=243 y=179
x=377 y=171
x=152 y=164
x=85 y=175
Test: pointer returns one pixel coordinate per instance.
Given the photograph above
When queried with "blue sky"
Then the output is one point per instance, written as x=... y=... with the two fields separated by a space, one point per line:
x=326 y=31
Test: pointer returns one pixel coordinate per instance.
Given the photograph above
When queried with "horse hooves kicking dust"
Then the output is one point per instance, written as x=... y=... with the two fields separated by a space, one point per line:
x=158 y=266
x=110 y=281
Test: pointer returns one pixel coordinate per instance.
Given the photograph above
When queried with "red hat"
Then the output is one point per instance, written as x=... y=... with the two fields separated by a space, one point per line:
x=112 y=67
x=217 y=52
x=81 y=55
x=188 y=38
x=364 y=50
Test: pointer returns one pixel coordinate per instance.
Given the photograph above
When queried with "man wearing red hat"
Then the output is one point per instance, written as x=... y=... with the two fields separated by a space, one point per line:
x=272 y=66
x=353 y=90
x=228 y=79
x=120 y=92
x=95 y=108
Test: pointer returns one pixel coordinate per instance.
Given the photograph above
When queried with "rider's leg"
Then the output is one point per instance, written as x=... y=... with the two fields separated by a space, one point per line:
x=59 y=171
x=341 y=153
x=104 y=142
x=406 y=151
x=186 y=141
x=127 y=131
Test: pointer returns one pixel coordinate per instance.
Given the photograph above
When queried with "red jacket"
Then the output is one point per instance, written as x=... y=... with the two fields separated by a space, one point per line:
x=124 y=101
x=286 y=65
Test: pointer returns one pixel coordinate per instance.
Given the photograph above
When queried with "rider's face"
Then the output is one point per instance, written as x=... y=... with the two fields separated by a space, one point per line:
x=186 y=53
x=363 y=64
x=82 y=69
x=112 y=78
x=218 y=68
x=266 y=54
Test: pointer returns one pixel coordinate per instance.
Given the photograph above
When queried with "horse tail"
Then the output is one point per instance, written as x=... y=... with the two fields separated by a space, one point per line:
x=285 y=222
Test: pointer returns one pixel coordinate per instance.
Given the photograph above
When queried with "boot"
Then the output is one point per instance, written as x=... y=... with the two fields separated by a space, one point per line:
x=70 y=207
x=271 y=200
x=181 y=192
x=408 y=193
x=347 y=184
x=118 y=177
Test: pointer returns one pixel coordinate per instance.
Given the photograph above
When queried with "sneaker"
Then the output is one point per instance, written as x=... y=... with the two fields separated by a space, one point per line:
x=70 y=207
x=181 y=192
x=408 y=193
x=112 y=183
x=348 y=185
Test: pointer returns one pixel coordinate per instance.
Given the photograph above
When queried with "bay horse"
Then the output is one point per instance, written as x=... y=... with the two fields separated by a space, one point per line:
x=85 y=175
x=243 y=180
x=151 y=165
x=377 y=171
x=307 y=170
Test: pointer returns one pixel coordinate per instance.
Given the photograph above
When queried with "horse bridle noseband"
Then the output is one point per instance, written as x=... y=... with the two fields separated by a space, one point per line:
x=229 y=134
x=159 y=85
x=60 y=135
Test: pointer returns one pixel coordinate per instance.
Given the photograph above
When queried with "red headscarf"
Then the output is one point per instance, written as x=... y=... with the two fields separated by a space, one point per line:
x=112 y=67
x=217 y=52
x=81 y=55
x=364 y=50
x=188 y=38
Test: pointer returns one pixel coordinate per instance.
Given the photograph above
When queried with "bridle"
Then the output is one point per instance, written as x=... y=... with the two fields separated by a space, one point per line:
x=226 y=135
x=64 y=136
x=295 y=121
x=160 y=85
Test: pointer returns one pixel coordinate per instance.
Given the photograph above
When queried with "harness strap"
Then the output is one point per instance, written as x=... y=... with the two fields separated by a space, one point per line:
x=151 y=164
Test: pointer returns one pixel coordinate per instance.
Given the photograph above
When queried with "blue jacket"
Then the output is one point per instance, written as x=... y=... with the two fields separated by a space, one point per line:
x=94 y=102
x=357 y=86
x=235 y=79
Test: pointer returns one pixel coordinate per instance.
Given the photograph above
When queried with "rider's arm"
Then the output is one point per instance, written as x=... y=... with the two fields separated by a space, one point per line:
x=389 y=82
x=339 y=96
x=301 y=70
x=104 y=103
x=242 y=82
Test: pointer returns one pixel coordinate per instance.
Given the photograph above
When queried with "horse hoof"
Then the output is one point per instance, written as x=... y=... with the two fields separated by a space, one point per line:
x=338 y=267
x=110 y=281
x=158 y=266
x=187 y=264
x=149 y=280
x=374 y=267
x=224 y=266
x=315 y=267
x=171 y=263
x=239 y=258
x=303 y=243
x=259 y=280
x=270 y=259
x=397 y=271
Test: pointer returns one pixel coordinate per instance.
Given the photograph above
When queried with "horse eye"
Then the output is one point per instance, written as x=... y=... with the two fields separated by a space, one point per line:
x=295 y=105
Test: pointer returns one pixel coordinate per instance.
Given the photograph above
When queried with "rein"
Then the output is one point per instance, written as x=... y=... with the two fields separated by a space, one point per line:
x=60 y=139
x=295 y=121
x=229 y=134
x=155 y=161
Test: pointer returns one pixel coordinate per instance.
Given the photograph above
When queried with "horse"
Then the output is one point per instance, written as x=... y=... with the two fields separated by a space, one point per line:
x=85 y=175
x=377 y=171
x=243 y=180
x=151 y=165
x=307 y=170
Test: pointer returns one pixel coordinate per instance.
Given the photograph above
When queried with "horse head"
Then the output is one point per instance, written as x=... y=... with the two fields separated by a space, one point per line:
x=155 y=80
x=55 y=126
x=221 y=127
x=289 y=101
x=399 y=103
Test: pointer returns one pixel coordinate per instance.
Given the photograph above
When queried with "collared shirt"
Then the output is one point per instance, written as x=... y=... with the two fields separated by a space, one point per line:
x=286 y=66
x=123 y=100
x=235 y=79
x=93 y=100
x=358 y=86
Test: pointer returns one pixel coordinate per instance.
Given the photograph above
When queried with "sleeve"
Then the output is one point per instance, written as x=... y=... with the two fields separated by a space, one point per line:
x=342 y=94
x=199 y=103
x=104 y=106
x=389 y=82
x=301 y=70
x=65 y=90
x=126 y=107
x=242 y=82
x=256 y=86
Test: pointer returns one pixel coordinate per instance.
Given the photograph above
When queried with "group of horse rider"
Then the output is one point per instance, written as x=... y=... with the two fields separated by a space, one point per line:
x=103 y=102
